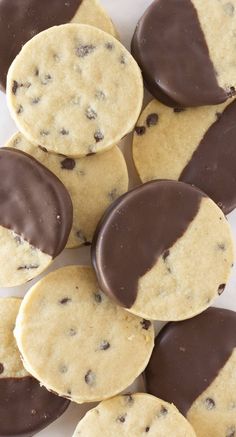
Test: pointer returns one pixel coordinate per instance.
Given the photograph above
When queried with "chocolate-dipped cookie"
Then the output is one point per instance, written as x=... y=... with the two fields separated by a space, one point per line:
x=93 y=348
x=91 y=182
x=20 y=20
x=25 y=406
x=193 y=365
x=164 y=251
x=185 y=49
x=134 y=415
x=35 y=217
x=74 y=90
x=196 y=146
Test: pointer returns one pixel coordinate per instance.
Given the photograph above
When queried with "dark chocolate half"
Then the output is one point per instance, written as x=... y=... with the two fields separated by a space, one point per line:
x=136 y=230
x=189 y=355
x=170 y=48
x=26 y=407
x=212 y=167
x=20 y=20
x=33 y=202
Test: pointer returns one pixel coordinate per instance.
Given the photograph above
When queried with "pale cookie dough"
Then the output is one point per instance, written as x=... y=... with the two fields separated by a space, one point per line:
x=163 y=251
x=195 y=145
x=134 y=415
x=20 y=21
x=25 y=407
x=75 y=90
x=93 y=348
x=35 y=217
x=93 y=183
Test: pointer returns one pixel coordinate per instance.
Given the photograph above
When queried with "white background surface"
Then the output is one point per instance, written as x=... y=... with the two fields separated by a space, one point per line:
x=125 y=14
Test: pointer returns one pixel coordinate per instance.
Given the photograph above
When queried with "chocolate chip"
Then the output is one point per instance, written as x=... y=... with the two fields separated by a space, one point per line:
x=1 y=368
x=147 y=429
x=84 y=50
x=18 y=239
x=64 y=131
x=28 y=267
x=72 y=332
x=221 y=246
x=109 y=46
x=209 y=403
x=221 y=288
x=140 y=130
x=231 y=432
x=91 y=114
x=231 y=91
x=121 y=418
x=44 y=133
x=152 y=120
x=46 y=79
x=98 y=297
x=69 y=392
x=15 y=87
x=20 y=109
x=129 y=398
x=145 y=324
x=178 y=110
x=35 y=100
x=90 y=377
x=104 y=345
x=123 y=60
x=229 y=9
x=98 y=136
x=63 y=369
x=65 y=300
x=163 y=412
x=165 y=254
x=68 y=164
x=43 y=149
x=36 y=72
x=100 y=95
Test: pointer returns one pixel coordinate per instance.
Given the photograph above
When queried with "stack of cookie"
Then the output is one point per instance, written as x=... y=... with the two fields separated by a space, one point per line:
x=162 y=251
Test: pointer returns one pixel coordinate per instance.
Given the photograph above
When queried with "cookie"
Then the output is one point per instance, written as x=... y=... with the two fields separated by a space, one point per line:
x=185 y=49
x=93 y=348
x=196 y=146
x=25 y=407
x=35 y=217
x=20 y=21
x=163 y=251
x=134 y=415
x=90 y=181
x=75 y=90
x=193 y=365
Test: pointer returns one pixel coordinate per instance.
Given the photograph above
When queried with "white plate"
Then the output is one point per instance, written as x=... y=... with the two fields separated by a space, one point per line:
x=125 y=14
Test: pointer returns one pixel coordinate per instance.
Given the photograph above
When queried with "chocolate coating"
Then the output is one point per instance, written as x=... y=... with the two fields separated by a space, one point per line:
x=170 y=48
x=26 y=408
x=136 y=230
x=189 y=355
x=20 y=20
x=212 y=167
x=33 y=202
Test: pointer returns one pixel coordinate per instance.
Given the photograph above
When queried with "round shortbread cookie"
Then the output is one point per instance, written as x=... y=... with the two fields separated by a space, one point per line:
x=22 y=19
x=164 y=251
x=193 y=365
x=186 y=51
x=25 y=407
x=87 y=340
x=134 y=415
x=196 y=146
x=75 y=90
x=35 y=217
x=91 y=182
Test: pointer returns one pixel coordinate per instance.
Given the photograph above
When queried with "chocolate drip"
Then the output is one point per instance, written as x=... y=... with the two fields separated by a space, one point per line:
x=170 y=47
x=189 y=355
x=33 y=202
x=138 y=228
x=212 y=167
x=26 y=408
x=20 y=20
